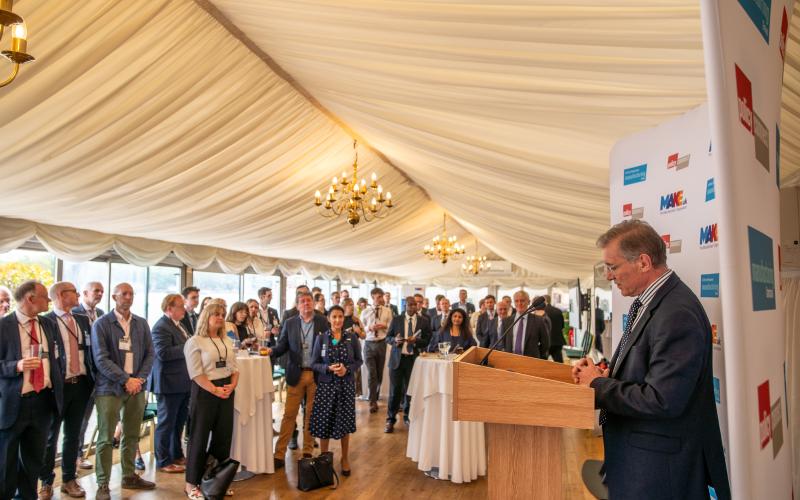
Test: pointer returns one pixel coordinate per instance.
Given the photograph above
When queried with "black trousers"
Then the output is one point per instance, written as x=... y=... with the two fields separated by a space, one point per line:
x=86 y=417
x=22 y=446
x=555 y=352
x=210 y=417
x=398 y=379
x=76 y=397
x=172 y=412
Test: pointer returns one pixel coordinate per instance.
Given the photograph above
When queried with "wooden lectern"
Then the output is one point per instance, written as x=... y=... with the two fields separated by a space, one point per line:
x=525 y=402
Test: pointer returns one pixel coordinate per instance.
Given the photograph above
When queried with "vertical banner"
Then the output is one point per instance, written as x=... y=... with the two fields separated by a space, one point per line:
x=665 y=176
x=744 y=45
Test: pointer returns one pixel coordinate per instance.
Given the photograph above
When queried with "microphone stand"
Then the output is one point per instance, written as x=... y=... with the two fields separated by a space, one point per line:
x=485 y=360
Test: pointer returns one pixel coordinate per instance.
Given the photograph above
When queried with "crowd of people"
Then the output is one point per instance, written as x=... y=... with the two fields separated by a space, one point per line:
x=57 y=367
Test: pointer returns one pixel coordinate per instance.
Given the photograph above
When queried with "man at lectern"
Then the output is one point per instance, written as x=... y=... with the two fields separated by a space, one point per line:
x=656 y=400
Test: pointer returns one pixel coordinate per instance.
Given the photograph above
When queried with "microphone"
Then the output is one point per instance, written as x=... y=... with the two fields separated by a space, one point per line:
x=537 y=302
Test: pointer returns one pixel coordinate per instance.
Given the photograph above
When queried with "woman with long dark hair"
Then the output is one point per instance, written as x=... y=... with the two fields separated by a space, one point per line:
x=455 y=330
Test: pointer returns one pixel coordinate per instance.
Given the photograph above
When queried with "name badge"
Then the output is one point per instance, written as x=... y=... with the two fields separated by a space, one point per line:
x=87 y=340
x=124 y=345
x=305 y=346
x=222 y=364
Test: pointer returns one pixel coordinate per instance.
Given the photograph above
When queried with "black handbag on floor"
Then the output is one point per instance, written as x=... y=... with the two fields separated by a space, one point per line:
x=316 y=472
x=218 y=478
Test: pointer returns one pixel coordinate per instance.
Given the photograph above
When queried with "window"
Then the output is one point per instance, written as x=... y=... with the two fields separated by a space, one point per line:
x=327 y=287
x=18 y=266
x=252 y=282
x=218 y=285
x=136 y=277
x=292 y=282
x=80 y=273
x=431 y=292
x=163 y=281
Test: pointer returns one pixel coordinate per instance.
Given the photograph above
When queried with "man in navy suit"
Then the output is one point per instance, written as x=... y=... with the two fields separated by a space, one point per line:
x=91 y=296
x=442 y=310
x=462 y=303
x=656 y=399
x=487 y=321
x=31 y=390
x=169 y=381
x=191 y=298
x=531 y=335
x=405 y=349
x=74 y=341
x=297 y=338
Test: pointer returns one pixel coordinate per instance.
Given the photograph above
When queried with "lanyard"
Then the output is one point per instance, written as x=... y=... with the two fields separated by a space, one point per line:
x=74 y=335
x=38 y=341
x=218 y=351
x=306 y=331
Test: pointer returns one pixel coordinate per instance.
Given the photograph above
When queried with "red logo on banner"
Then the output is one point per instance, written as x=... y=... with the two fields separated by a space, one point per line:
x=672 y=160
x=784 y=29
x=744 y=92
x=764 y=414
x=627 y=209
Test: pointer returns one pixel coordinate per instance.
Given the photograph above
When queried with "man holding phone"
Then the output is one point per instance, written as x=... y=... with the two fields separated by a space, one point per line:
x=408 y=334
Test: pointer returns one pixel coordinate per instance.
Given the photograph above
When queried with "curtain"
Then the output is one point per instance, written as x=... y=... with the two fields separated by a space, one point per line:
x=791 y=307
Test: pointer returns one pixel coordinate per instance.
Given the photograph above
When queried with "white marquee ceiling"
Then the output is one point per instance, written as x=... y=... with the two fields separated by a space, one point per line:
x=150 y=119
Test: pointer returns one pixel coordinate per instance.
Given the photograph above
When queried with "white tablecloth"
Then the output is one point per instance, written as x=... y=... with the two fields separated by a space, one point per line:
x=252 y=415
x=458 y=449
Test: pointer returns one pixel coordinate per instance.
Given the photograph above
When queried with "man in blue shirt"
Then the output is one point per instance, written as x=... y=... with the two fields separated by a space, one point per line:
x=123 y=354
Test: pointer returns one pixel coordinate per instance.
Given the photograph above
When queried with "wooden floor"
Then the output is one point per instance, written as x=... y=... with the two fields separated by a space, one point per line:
x=379 y=464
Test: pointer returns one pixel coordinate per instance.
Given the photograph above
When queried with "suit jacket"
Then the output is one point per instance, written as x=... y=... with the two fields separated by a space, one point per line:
x=537 y=336
x=11 y=380
x=662 y=433
x=397 y=328
x=291 y=341
x=431 y=312
x=470 y=307
x=320 y=361
x=556 y=325
x=486 y=329
x=187 y=323
x=436 y=322
x=169 y=374
x=84 y=342
x=272 y=316
x=79 y=309
x=110 y=361
x=394 y=310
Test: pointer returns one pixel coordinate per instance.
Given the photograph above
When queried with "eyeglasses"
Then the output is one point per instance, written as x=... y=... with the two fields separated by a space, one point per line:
x=613 y=268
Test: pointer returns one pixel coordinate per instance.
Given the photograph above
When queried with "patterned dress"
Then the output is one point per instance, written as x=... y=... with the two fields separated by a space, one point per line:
x=334 y=413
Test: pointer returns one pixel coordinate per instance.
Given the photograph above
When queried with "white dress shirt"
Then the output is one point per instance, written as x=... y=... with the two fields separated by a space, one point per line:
x=25 y=344
x=369 y=318
x=408 y=333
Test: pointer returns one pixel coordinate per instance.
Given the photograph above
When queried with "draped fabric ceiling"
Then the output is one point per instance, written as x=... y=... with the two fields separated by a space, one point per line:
x=150 y=119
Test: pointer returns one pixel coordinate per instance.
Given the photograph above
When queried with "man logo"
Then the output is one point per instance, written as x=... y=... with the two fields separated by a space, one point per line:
x=678 y=162
x=673 y=246
x=708 y=236
x=672 y=201
x=744 y=92
x=634 y=213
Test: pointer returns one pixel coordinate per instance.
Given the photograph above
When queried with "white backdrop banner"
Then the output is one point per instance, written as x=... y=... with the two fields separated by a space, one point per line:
x=665 y=176
x=744 y=44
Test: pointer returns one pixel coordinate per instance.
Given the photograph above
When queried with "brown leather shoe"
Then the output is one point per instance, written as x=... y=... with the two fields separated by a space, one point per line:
x=84 y=464
x=135 y=482
x=45 y=492
x=103 y=493
x=389 y=428
x=180 y=461
x=73 y=489
x=373 y=407
x=173 y=469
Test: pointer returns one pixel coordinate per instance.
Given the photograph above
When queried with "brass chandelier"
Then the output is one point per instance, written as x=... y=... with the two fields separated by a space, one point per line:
x=444 y=248
x=348 y=196
x=19 y=39
x=475 y=264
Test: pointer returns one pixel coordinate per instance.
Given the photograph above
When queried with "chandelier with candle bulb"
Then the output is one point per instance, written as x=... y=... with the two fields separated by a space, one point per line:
x=19 y=39
x=443 y=247
x=349 y=197
x=476 y=263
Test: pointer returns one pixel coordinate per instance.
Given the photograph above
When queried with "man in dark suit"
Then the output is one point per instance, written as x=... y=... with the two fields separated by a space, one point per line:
x=434 y=311
x=268 y=315
x=463 y=304
x=405 y=348
x=656 y=399
x=494 y=333
x=74 y=341
x=531 y=336
x=169 y=381
x=487 y=321
x=387 y=297
x=297 y=339
x=556 y=330
x=443 y=309
x=421 y=310
x=91 y=296
x=191 y=297
x=31 y=390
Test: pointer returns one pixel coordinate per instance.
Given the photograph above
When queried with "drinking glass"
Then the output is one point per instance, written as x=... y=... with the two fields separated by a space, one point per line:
x=444 y=349
x=237 y=344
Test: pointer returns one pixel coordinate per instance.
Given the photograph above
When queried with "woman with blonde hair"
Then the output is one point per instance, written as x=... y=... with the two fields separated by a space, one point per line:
x=211 y=362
